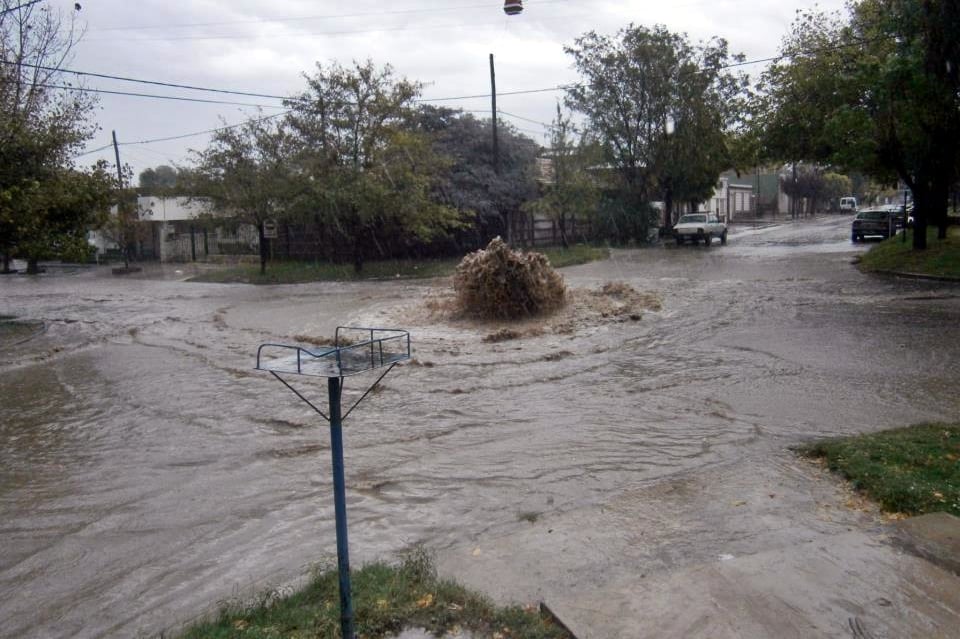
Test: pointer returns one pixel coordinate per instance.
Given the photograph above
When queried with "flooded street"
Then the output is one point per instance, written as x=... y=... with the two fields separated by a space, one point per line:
x=149 y=473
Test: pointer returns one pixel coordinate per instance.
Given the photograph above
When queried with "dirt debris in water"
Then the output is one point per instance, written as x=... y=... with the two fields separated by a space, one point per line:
x=610 y=303
x=502 y=335
x=498 y=282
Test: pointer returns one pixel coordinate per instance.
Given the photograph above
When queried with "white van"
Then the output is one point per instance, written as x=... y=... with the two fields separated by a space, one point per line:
x=848 y=204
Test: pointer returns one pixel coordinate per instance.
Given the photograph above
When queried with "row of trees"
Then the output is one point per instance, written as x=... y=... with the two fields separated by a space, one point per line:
x=661 y=110
x=810 y=186
x=360 y=158
x=876 y=90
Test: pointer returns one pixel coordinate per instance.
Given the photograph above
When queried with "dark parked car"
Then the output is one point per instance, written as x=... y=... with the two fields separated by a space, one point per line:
x=882 y=222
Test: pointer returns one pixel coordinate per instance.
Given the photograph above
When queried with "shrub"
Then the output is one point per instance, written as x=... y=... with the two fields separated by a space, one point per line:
x=500 y=283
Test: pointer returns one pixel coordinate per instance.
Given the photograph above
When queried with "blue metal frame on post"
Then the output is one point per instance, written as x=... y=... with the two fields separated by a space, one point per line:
x=340 y=507
x=387 y=347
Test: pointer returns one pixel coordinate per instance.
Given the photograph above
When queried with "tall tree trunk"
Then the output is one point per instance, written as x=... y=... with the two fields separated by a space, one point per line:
x=793 y=200
x=357 y=253
x=264 y=249
x=667 y=211
x=563 y=230
x=6 y=262
x=921 y=211
x=33 y=267
x=941 y=195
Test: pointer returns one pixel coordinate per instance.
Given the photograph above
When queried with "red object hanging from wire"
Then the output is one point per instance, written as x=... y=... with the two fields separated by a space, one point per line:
x=512 y=7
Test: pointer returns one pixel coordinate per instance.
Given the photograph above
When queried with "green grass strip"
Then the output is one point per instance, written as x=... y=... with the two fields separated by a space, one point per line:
x=913 y=470
x=293 y=272
x=940 y=259
x=387 y=599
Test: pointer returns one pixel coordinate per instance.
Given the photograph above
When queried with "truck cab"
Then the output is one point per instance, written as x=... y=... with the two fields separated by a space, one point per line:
x=699 y=227
x=848 y=205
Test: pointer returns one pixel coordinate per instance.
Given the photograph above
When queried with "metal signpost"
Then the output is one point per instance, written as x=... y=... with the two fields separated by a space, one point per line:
x=270 y=229
x=355 y=350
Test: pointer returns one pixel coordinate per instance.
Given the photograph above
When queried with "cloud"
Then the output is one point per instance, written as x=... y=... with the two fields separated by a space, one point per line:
x=249 y=45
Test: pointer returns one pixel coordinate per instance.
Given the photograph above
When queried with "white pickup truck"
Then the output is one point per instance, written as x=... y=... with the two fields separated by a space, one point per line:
x=697 y=227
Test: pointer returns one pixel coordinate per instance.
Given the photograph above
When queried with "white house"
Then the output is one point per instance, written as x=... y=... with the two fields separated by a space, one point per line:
x=730 y=199
x=180 y=231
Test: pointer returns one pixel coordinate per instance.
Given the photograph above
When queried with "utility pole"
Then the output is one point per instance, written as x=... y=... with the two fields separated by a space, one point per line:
x=904 y=239
x=121 y=213
x=116 y=152
x=496 y=143
x=793 y=199
x=493 y=100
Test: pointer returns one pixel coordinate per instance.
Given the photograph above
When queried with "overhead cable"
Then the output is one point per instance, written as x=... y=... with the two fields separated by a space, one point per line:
x=157 y=96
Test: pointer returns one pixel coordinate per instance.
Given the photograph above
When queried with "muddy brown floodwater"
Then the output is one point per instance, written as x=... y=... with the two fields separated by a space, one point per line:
x=149 y=473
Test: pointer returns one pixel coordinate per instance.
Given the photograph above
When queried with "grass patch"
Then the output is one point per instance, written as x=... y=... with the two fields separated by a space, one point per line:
x=941 y=259
x=577 y=254
x=913 y=470
x=298 y=272
x=386 y=600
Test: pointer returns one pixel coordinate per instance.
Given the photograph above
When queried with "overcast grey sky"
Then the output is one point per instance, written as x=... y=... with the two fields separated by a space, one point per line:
x=265 y=47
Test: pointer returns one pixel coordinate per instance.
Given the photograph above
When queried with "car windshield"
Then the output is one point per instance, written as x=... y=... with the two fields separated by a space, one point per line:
x=692 y=219
x=872 y=215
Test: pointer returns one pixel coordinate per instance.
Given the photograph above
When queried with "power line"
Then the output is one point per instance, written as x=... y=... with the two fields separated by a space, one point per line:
x=520 y=128
x=92 y=151
x=146 y=149
x=520 y=117
x=499 y=93
x=156 y=96
x=190 y=87
x=215 y=130
x=288 y=98
x=106 y=76
x=422 y=100
x=485 y=5
x=184 y=135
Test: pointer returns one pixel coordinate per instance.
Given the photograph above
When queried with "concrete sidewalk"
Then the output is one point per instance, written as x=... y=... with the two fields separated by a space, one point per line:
x=771 y=547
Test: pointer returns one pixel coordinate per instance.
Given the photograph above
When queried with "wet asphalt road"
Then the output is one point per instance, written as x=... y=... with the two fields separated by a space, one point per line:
x=148 y=473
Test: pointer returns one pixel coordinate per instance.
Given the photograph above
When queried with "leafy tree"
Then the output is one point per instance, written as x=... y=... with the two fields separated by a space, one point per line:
x=124 y=226
x=875 y=91
x=572 y=189
x=471 y=184
x=706 y=106
x=246 y=175
x=812 y=186
x=162 y=180
x=660 y=107
x=63 y=207
x=41 y=128
x=835 y=186
x=358 y=170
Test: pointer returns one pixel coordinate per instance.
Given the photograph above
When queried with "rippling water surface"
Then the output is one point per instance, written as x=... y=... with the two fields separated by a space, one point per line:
x=149 y=473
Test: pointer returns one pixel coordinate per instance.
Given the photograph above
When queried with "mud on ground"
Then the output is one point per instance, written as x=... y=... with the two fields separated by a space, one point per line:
x=585 y=308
